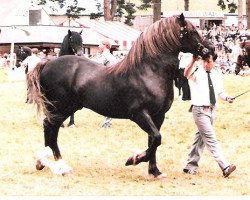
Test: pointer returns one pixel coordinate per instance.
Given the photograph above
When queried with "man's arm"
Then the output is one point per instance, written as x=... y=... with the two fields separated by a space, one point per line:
x=189 y=69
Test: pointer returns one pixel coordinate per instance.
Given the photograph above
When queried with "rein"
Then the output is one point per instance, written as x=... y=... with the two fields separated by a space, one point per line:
x=184 y=33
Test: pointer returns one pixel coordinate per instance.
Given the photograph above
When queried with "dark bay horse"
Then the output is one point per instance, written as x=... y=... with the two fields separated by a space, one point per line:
x=139 y=87
x=21 y=54
x=244 y=58
x=72 y=45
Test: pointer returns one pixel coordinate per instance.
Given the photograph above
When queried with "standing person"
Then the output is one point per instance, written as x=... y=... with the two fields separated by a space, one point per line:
x=31 y=61
x=106 y=58
x=206 y=86
x=185 y=59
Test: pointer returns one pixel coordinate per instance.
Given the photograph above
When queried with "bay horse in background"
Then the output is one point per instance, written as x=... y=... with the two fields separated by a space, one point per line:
x=244 y=58
x=72 y=45
x=139 y=87
x=21 y=54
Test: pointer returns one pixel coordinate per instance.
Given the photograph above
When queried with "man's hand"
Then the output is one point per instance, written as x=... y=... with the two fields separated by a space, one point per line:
x=230 y=99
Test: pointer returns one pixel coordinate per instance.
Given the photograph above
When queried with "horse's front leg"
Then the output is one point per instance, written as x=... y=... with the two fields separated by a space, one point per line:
x=51 y=148
x=152 y=167
x=146 y=123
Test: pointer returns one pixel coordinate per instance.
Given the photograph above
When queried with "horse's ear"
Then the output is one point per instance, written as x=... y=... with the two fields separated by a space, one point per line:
x=69 y=32
x=182 y=18
x=80 y=32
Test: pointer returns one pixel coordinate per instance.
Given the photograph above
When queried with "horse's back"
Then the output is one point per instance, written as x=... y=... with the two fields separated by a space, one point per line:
x=65 y=71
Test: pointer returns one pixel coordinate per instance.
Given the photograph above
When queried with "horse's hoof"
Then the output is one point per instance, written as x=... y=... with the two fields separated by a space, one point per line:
x=161 y=176
x=131 y=160
x=68 y=173
x=39 y=165
x=71 y=125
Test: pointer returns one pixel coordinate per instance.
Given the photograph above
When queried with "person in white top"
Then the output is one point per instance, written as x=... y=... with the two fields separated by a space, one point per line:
x=31 y=61
x=206 y=86
x=107 y=59
x=185 y=59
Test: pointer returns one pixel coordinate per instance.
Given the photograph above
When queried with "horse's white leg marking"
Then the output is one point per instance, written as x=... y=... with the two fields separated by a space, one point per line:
x=43 y=156
x=60 y=167
x=57 y=167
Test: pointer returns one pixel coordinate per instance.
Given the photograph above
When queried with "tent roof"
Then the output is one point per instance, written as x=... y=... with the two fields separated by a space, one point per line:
x=124 y=35
x=46 y=34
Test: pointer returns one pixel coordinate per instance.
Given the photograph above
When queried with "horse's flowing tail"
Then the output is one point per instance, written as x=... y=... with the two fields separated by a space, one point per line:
x=35 y=95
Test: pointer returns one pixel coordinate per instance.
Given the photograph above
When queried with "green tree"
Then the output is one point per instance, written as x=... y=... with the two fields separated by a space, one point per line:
x=231 y=5
x=72 y=11
x=156 y=8
x=118 y=8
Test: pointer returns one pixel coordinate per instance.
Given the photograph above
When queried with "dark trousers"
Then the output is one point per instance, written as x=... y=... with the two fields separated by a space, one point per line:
x=183 y=84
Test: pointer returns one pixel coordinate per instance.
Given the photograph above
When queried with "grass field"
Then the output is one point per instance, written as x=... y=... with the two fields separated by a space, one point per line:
x=98 y=156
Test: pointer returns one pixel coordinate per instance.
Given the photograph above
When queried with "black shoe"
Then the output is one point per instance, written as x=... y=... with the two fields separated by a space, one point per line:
x=227 y=171
x=188 y=171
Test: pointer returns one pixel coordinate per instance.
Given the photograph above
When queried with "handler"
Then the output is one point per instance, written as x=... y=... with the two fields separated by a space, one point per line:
x=206 y=86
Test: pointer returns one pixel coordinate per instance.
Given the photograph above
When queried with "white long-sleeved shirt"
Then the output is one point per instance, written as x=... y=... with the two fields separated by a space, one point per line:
x=198 y=83
x=31 y=61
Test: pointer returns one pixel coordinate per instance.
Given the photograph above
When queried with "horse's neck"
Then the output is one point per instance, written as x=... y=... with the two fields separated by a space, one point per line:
x=65 y=50
x=164 y=65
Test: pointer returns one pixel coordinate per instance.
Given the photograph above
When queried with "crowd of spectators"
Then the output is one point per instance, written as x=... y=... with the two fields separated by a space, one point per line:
x=226 y=39
x=227 y=42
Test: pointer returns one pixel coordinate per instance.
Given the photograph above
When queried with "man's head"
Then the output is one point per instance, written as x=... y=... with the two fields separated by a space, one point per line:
x=34 y=51
x=106 y=44
x=209 y=63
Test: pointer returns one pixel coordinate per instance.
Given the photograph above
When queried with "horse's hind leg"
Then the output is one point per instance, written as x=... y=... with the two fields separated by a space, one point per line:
x=50 y=135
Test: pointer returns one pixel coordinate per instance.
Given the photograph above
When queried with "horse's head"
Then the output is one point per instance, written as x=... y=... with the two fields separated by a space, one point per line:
x=21 y=54
x=192 y=41
x=243 y=58
x=75 y=42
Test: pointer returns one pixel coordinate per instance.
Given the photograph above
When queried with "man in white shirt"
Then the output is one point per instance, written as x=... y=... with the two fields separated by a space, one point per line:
x=31 y=61
x=206 y=86
x=185 y=59
x=107 y=59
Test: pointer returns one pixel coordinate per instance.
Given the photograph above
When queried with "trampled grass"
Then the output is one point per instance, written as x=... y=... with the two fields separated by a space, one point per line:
x=98 y=156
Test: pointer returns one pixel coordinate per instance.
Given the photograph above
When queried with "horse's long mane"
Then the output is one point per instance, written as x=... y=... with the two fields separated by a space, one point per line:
x=160 y=37
x=65 y=47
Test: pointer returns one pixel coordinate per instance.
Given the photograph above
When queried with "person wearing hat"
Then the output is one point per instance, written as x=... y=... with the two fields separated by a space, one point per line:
x=106 y=57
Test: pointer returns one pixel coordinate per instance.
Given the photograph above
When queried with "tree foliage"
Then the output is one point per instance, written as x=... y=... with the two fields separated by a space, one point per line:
x=72 y=11
x=231 y=5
